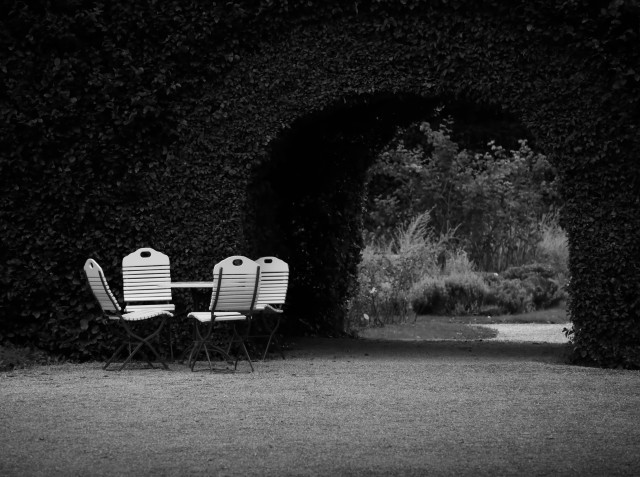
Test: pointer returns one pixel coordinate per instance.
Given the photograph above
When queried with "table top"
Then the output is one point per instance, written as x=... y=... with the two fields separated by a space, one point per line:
x=208 y=284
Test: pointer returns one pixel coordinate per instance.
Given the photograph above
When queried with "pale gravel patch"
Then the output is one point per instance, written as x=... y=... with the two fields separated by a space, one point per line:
x=533 y=332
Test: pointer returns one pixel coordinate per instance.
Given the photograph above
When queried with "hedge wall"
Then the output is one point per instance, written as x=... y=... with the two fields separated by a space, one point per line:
x=205 y=129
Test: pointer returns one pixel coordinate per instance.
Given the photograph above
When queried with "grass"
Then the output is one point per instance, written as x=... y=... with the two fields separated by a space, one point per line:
x=437 y=327
x=556 y=315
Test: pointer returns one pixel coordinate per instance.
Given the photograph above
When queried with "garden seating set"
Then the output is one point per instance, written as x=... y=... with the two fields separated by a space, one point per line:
x=243 y=291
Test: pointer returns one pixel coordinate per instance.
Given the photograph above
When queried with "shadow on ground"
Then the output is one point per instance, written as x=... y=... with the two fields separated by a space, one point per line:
x=473 y=350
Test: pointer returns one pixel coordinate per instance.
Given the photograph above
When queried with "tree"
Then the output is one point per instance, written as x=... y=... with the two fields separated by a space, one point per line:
x=494 y=199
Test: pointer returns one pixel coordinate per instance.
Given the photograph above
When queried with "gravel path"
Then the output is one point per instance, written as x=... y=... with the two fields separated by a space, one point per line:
x=529 y=332
x=333 y=407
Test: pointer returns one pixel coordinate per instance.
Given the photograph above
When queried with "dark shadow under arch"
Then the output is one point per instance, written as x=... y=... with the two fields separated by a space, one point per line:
x=305 y=204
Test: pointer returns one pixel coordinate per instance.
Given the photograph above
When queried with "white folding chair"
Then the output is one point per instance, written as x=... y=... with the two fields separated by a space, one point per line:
x=113 y=311
x=274 y=282
x=233 y=298
x=146 y=282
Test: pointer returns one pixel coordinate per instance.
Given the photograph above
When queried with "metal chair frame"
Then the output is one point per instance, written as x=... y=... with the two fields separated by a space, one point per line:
x=146 y=284
x=274 y=281
x=232 y=300
x=112 y=311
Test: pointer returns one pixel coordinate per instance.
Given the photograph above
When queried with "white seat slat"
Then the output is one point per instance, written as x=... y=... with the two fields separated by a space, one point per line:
x=143 y=298
x=141 y=293
x=151 y=266
x=167 y=307
x=151 y=289
x=236 y=292
x=148 y=279
x=157 y=266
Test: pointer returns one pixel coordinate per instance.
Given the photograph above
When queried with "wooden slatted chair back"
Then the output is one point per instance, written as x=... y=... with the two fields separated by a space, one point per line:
x=235 y=284
x=146 y=276
x=274 y=281
x=100 y=288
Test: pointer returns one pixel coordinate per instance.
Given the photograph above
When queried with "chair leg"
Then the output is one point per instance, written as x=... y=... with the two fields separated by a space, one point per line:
x=200 y=343
x=195 y=351
x=147 y=342
x=141 y=341
x=114 y=355
x=237 y=338
x=273 y=339
x=126 y=361
x=206 y=352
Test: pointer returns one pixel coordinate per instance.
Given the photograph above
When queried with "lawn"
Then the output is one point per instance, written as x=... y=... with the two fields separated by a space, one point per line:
x=436 y=327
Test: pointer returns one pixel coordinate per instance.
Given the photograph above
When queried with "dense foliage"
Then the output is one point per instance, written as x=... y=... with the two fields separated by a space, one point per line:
x=405 y=276
x=128 y=124
x=493 y=200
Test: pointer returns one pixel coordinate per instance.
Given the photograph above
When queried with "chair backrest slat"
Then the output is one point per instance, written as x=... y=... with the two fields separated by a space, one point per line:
x=235 y=284
x=146 y=276
x=274 y=281
x=100 y=287
x=166 y=307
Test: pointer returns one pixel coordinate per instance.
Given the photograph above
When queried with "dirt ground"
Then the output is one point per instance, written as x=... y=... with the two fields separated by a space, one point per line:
x=333 y=407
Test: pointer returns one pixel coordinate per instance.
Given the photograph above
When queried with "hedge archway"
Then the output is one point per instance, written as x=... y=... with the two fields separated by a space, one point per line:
x=306 y=203
x=147 y=123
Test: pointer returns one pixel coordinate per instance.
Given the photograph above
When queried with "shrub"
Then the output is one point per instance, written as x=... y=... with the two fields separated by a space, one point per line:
x=495 y=196
x=543 y=282
x=409 y=274
x=512 y=296
x=429 y=296
x=459 y=294
x=458 y=263
x=466 y=293
x=389 y=270
x=518 y=290
x=525 y=271
x=553 y=248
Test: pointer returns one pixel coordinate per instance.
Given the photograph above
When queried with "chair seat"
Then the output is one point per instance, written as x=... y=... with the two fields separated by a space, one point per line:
x=205 y=316
x=144 y=315
x=137 y=308
x=272 y=309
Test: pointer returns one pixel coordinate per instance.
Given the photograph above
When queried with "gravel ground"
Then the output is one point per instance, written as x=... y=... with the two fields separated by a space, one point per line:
x=333 y=407
x=526 y=332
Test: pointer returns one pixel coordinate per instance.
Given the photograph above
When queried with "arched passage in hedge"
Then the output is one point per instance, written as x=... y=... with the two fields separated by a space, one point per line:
x=557 y=95
x=317 y=109
x=306 y=203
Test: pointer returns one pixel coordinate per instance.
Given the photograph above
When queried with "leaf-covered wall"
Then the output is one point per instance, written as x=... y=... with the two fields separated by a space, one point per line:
x=204 y=129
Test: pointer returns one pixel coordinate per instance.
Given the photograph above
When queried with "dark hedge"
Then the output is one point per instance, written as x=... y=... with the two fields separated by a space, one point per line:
x=207 y=129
